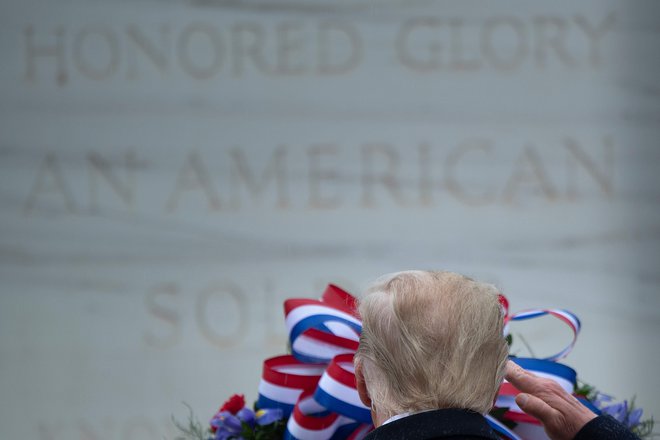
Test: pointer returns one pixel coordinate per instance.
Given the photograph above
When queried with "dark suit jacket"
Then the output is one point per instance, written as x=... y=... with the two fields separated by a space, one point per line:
x=452 y=424
x=455 y=424
x=605 y=428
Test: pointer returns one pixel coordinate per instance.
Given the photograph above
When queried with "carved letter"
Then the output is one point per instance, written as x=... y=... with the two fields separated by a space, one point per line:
x=50 y=168
x=215 y=51
x=330 y=63
x=497 y=59
x=99 y=167
x=555 y=40
x=528 y=169
x=387 y=178
x=290 y=43
x=275 y=170
x=425 y=178
x=157 y=300
x=242 y=49
x=595 y=34
x=458 y=61
x=604 y=177
x=318 y=174
x=229 y=313
x=193 y=176
x=158 y=54
x=482 y=197
x=83 y=53
x=33 y=51
x=405 y=42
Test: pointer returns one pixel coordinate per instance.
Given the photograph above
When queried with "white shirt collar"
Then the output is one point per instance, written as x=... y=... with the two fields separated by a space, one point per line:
x=402 y=415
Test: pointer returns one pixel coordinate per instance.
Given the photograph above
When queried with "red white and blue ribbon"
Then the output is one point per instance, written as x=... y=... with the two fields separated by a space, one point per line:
x=565 y=376
x=284 y=379
x=527 y=426
x=336 y=390
x=564 y=315
x=503 y=430
x=312 y=421
x=315 y=385
x=321 y=329
x=318 y=332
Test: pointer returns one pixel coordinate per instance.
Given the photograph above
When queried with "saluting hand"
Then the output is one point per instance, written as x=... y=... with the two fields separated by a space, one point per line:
x=561 y=414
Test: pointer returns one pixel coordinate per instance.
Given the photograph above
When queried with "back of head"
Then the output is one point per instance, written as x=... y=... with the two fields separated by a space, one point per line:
x=431 y=340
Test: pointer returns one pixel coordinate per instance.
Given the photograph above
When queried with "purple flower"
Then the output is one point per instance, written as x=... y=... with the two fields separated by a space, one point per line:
x=246 y=416
x=619 y=411
x=634 y=417
x=268 y=416
x=227 y=425
x=222 y=434
x=601 y=400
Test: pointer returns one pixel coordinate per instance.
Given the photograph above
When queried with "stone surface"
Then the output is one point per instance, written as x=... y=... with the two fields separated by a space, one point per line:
x=171 y=171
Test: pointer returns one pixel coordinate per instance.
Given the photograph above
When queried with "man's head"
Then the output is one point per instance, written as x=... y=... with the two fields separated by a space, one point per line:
x=430 y=340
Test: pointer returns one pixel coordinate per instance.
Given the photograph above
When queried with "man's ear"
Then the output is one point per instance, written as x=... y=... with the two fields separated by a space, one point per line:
x=362 y=386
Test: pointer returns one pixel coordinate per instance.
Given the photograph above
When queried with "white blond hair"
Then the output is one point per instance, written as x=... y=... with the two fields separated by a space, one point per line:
x=431 y=340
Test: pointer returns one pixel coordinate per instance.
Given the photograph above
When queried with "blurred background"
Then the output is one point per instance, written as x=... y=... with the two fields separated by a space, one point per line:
x=171 y=171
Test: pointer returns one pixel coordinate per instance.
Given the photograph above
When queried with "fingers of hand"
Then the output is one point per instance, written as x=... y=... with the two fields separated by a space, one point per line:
x=536 y=407
x=520 y=378
x=555 y=421
x=541 y=397
x=562 y=414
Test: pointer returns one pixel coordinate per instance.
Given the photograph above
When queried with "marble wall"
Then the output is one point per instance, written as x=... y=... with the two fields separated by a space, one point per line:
x=171 y=171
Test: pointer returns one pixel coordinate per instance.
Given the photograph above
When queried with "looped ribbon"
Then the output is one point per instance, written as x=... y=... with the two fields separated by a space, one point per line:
x=528 y=427
x=563 y=315
x=315 y=386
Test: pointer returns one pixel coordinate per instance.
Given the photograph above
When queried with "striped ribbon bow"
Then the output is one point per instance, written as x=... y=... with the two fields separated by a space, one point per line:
x=315 y=385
